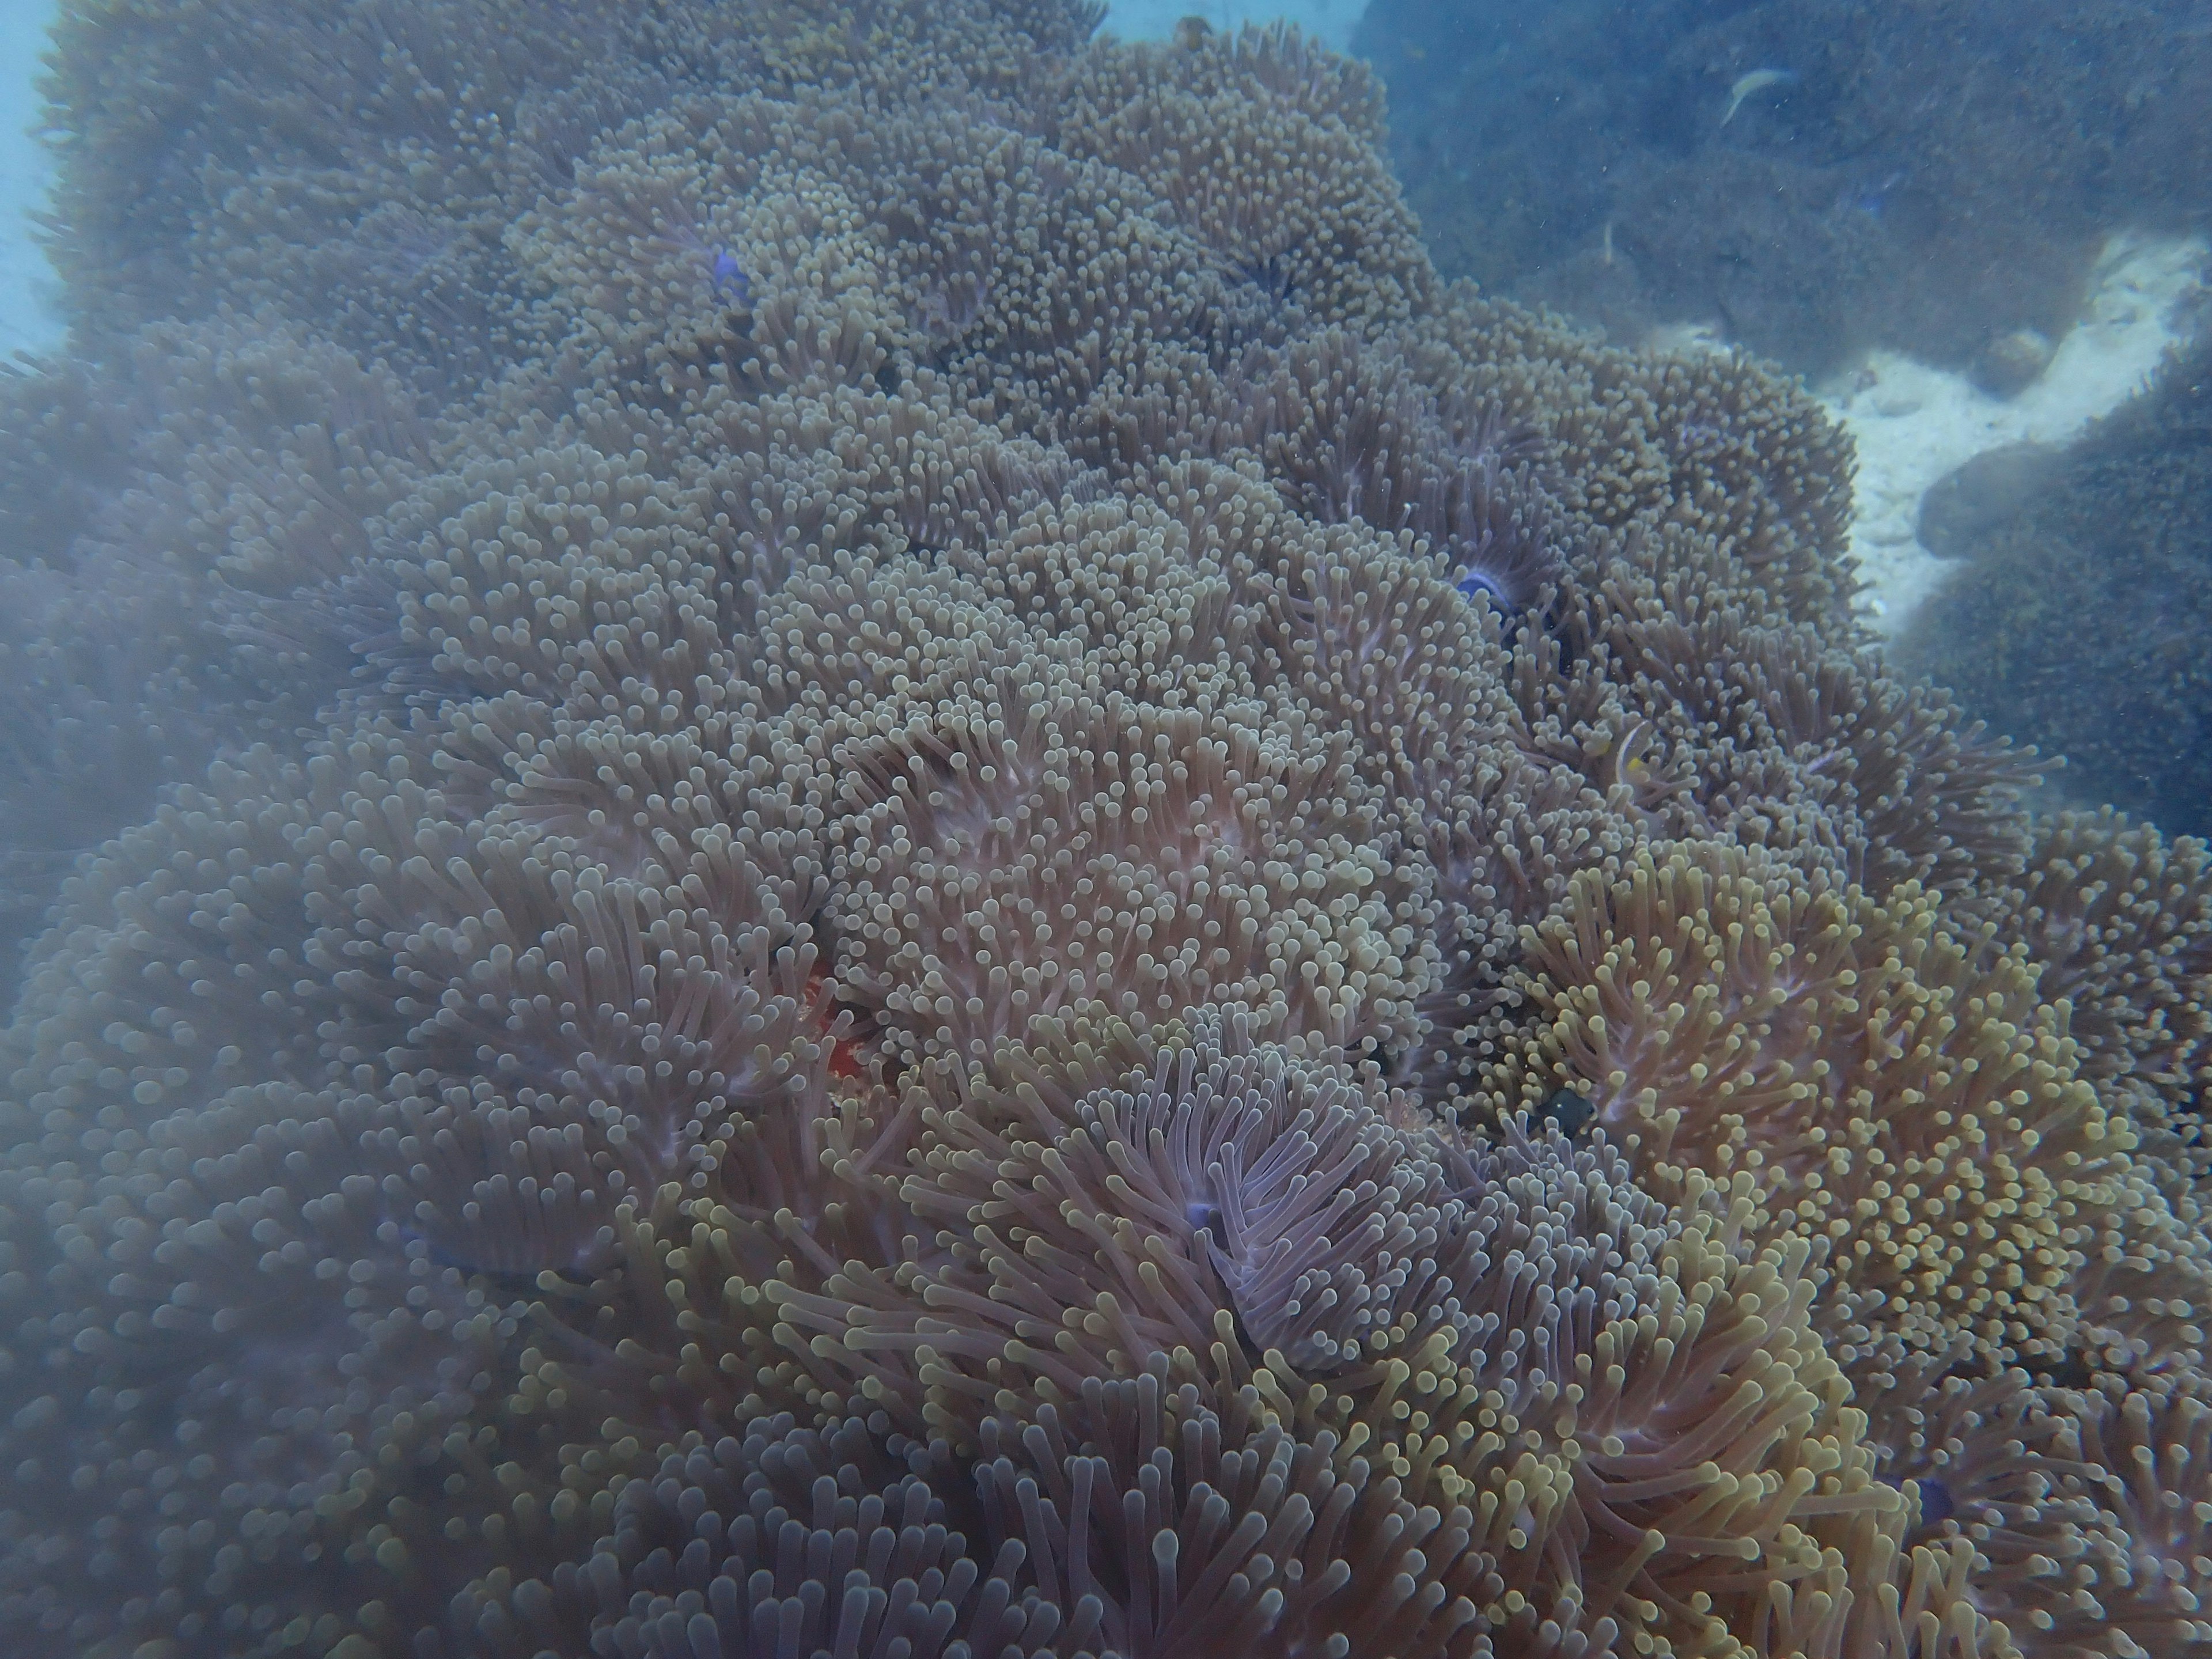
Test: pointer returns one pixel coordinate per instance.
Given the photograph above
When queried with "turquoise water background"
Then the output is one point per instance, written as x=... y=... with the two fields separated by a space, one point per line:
x=28 y=321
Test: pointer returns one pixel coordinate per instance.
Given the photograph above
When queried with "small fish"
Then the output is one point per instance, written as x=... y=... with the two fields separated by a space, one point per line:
x=1757 y=81
x=1936 y=1503
x=1570 y=1111
x=730 y=278
x=1472 y=582
x=1872 y=199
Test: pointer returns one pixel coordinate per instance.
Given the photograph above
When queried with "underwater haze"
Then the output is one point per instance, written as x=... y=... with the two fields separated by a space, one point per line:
x=29 y=309
x=30 y=314
x=974 y=830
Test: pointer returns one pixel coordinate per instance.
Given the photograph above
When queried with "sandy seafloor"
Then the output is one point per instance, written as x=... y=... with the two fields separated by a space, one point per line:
x=1914 y=423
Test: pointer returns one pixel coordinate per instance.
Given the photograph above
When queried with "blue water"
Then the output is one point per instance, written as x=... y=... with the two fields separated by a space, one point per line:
x=28 y=319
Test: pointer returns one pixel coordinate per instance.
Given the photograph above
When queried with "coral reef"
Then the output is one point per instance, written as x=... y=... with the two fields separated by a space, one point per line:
x=2077 y=620
x=1815 y=177
x=907 y=864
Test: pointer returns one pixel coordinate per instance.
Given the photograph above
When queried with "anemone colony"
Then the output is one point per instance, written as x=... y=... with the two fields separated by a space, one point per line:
x=889 y=859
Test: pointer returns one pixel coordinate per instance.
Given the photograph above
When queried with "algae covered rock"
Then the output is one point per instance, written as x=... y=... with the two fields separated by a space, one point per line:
x=2081 y=620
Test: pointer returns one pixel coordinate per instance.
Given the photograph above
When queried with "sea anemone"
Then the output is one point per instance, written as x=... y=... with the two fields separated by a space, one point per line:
x=905 y=972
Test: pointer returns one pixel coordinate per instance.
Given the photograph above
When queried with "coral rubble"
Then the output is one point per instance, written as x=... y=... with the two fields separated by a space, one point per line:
x=852 y=842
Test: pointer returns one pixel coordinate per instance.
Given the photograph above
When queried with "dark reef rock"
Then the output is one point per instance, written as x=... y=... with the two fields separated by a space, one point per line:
x=2012 y=361
x=1927 y=177
x=2079 y=623
x=1974 y=498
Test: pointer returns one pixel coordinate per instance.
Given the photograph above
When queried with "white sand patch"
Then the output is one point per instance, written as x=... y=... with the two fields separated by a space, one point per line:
x=1914 y=423
x=1330 y=20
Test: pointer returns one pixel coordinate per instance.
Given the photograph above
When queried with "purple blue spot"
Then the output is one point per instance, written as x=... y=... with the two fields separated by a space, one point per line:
x=1936 y=1505
x=1472 y=582
x=730 y=279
